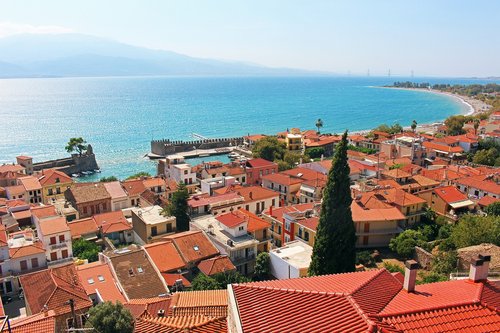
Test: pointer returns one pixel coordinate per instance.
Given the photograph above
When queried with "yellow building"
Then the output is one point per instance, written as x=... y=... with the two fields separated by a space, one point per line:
x=54 y=183
x=293 y=140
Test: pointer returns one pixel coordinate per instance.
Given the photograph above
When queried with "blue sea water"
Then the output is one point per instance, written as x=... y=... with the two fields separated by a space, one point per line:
x=119 y=116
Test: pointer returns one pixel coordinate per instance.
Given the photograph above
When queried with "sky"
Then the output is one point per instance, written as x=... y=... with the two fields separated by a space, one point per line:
x=455 y=38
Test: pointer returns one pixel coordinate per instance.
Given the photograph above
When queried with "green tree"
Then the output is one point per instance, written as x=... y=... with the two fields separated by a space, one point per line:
x=474 y=230
x=107 y=317
x=444 y=262
x=413 y=125
x=334 y=246
x=139 y=175
x=76 y=144
x=455 y=125
x=404 y=243
x=269 y=148
x=394 y=268
x=178 y=207
x=84 y=249
x=486 y=157
x=319 y=124
x=315 y=152
x=108 y=179
x=493 y=209
x=262 y=266
x=364 y=258
x=431 y=277
x=203 y=282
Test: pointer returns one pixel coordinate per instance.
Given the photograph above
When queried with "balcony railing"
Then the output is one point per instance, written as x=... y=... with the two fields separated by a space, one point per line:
x=241 y=260
x=59 y=245
x=59 y=261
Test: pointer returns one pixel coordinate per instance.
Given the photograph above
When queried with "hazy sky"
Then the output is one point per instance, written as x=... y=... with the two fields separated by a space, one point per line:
x=431 y=37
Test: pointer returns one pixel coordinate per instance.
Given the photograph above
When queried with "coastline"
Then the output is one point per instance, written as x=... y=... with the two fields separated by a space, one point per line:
x=474 y=106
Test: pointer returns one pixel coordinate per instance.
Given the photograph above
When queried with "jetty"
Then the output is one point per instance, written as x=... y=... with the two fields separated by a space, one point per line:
x=194 y=148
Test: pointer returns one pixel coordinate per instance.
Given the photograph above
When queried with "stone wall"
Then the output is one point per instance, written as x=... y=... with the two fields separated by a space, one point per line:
x=167 y=147
x=70 y=165
x=423 y=257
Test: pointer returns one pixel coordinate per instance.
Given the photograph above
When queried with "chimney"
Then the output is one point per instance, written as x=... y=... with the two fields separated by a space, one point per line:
x=161 y=313
x=479 y=267
x=410 y=275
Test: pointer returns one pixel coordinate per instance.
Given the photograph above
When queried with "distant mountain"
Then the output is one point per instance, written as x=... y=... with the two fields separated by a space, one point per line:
x=51 y=55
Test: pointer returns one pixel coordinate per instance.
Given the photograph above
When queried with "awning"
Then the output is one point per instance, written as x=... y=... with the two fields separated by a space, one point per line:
x=461 y=204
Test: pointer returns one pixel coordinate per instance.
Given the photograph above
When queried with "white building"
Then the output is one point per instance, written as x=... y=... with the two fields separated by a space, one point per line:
x=290 y=261
x=119 y=198
x=229 y=233
x=55 y=236
x=208 y=185
x=177 y=169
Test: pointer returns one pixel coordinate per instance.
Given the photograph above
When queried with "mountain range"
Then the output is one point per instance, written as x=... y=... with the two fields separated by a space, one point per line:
x=71 y=55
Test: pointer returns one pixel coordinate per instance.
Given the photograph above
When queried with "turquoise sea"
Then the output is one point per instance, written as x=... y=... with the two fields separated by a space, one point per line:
x=119 y=116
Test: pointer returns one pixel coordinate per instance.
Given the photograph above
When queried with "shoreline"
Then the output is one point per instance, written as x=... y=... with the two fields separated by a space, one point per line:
x=475 y=107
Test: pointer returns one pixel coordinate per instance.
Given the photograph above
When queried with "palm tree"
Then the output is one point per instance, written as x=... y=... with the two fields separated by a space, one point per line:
x=413 y=125
x=319 y=124
x=476 y=125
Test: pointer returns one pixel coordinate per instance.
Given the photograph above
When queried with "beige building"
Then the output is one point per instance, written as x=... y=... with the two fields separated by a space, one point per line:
x=149 y=224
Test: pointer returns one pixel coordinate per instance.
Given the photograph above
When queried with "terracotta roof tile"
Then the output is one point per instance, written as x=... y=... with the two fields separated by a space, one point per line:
x=134 y=187
x=53 y=287
x=82 y=227
x=259 y=163
x=139 y=306
x=53 y=225
x=480 y=182
x=171 y=278
x=205 y=302
x=450 y=194
x=97 y=278
x=30 y=183
x=38 y=323
x=193 y=246
x=52 y=176
x=44 y=211
x=115 y=190
x=182 y=324
x=88 y=192
x=216 y=265
x=112 y=222
x=26 y=250
x=165 y=256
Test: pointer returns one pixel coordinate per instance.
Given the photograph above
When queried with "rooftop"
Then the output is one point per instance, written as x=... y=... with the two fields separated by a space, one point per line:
x=219 y=264
x=53 y=225
x=115 y=190
x=151 y=215
x=82 y=227
x=97 y=278
x=296 y=253
x=52 y=176
x=193 y=245
x=30 y=183
x=165 y=256
x=88 y=192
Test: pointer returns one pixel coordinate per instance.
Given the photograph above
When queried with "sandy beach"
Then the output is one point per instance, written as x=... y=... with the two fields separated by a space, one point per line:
x=474 y=106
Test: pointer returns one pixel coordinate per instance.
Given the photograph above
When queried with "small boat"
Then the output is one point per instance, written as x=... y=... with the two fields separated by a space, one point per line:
x=86 y=173
x=203 y=155
x=97 y=170
x=75 y=175
x=233 y=154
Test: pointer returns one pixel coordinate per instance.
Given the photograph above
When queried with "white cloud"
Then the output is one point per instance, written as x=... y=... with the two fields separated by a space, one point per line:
x=10 y=28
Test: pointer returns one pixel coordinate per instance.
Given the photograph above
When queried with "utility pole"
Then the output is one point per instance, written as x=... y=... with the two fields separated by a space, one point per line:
x=71 y=303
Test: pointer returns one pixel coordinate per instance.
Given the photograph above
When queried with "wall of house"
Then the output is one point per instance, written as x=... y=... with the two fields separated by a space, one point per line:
x=46 y=190
x=87 y=209
x=281 y=269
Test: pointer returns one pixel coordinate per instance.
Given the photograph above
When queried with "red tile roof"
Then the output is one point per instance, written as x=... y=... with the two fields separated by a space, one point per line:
x=82 y=227
x=219 y=264
x=37 y=323
x=255 y=193
x=232 y=219
x=149 y=305
x=112 y=222
x=30 y=183
x=53 y=225
x=97 y=278
x=134 y=187
x=44 y=211
x=466 y=318
x=442 y=147
x=260 y=163
x=282 y=179
x=204 y=302
x=165 y=256
x=171 y=278
x=450 y=194
x=254 y=222
x=52 y=176
x=26 y=250
x=278 y=212
x=480 y=182
x=53 y=288
x=183 y=324
x=487 y=200
x=193 y=246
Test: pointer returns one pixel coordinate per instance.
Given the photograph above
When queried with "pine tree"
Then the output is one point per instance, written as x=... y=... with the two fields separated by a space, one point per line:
x=334 y=245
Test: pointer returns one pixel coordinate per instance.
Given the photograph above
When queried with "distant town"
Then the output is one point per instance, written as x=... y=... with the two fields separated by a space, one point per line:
x=235 y=247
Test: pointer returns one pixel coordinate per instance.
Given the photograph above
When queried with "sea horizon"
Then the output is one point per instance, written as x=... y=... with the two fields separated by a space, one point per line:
x=120 y=115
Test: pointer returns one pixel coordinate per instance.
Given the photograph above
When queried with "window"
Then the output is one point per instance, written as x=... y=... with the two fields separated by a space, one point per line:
x=53 y=256
x=83 y=319
x=140 y=270
x=61 y=238
x=90 y=280
x=50 y=191
x=8 y=286
x=52 y=240
x=69 y=322
x=34 y=262
x=58 y=190
x=154 y=231
x=64 y=253
x=196 y=248
x=84 y=210
x=100 y=278
x=273 y=202
x=306 y=236
x=169 y=227
x=24 y=265
x=279 y=230
x=241 y=228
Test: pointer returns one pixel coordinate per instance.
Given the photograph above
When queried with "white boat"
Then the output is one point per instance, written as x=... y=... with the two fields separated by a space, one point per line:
x=97 y=170
x=86 y=173
x=75 y=175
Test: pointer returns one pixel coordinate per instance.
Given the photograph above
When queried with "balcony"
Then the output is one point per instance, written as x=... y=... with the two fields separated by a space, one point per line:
x=59 y=261
x=241 y=260
x=59 y=245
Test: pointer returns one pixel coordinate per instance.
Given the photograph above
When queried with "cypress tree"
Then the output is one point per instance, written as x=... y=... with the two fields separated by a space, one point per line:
x=334 y=245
